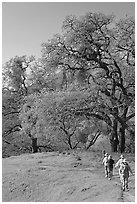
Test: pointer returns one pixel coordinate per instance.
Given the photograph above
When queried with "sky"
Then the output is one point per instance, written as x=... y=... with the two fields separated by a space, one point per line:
x=26 y=25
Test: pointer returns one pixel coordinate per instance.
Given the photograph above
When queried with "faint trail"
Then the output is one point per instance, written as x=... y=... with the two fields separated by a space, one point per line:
x=121 y=198
x=124 y=196
x=130 y=197
x=61 y=179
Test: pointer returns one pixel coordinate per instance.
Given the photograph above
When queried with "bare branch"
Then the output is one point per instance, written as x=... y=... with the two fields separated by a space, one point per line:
x=130 y=116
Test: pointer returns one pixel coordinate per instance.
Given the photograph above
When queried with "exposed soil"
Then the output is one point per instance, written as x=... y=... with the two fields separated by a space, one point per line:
x=57 y=177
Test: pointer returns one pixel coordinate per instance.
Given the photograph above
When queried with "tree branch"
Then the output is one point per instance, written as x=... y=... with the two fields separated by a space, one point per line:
x=14 y=112
x=13 y=129
x=130 y=116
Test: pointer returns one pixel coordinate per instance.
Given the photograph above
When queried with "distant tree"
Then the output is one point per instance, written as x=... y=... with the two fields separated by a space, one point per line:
x=14 y=74
x=10 y=111
x=28 y=118
x=22 y=76
x=14 y=89
x=53 y=112
x=90 y=130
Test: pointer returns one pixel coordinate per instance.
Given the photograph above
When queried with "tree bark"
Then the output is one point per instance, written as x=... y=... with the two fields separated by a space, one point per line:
x=34 y=145
x=122 y=129
x=122 y=138
x=114 y=137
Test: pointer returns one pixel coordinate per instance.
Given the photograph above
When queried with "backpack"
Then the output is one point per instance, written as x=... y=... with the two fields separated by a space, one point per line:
x=124 y=169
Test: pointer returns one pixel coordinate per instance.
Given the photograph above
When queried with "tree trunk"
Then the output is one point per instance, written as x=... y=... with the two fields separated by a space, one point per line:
x=69 y=141
x=122 y=138
x=114 y=137
x=34 y=145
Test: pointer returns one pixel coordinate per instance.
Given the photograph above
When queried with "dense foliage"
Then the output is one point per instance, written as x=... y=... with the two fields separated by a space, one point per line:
x=84 y=76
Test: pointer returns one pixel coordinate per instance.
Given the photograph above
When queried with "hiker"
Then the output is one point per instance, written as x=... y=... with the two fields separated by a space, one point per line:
x=105 y=163
x=124 y=174
x=119 y=162
x=110 y=167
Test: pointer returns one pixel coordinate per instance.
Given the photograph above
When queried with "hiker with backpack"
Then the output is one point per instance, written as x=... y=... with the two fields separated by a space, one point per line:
x=124 y=173
x=119 y=162
x=105 y=163
x=110 y=167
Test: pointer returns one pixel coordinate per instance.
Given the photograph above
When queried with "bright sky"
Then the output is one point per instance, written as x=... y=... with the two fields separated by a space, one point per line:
x=26 y=25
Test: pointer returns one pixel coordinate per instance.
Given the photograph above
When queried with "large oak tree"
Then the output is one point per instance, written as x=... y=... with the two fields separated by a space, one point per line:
x=95 y=52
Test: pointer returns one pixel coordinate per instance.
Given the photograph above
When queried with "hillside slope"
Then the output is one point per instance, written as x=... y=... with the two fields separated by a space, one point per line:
x=74 y=176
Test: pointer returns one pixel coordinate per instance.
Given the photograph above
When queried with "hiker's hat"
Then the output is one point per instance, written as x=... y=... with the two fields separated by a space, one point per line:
x=122 y=156
x=125 y=161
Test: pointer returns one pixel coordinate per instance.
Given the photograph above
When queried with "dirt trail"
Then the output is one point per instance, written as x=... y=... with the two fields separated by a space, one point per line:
x=54 y=177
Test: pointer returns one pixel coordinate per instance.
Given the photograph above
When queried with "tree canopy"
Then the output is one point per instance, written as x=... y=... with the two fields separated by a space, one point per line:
x=85 y=73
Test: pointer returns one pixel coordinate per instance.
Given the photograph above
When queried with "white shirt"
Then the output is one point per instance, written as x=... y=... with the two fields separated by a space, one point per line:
x=119 y=163
x=105 y=160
